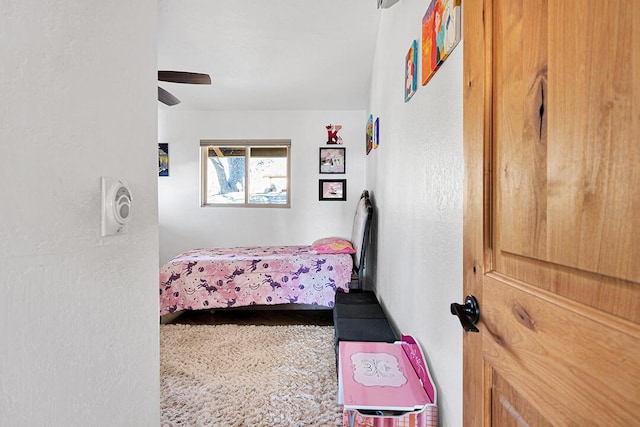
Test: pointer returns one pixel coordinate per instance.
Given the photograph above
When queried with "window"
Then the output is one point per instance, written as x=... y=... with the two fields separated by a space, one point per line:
x=245 y=173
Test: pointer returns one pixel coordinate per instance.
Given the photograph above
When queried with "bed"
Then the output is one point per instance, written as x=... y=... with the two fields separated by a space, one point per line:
x=212 y=278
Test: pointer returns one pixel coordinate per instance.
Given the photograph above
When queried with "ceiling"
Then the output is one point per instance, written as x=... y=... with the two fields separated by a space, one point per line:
x=269 y=55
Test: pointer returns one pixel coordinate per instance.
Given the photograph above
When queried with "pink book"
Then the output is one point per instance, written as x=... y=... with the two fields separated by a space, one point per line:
x=377 y=377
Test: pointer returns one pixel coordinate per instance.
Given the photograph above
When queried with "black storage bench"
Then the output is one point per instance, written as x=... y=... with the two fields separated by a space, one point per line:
x=358 y=316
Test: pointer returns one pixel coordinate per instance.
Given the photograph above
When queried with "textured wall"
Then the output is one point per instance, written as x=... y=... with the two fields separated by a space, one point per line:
x=416 y=177
x=79 y=320
x=185 y=225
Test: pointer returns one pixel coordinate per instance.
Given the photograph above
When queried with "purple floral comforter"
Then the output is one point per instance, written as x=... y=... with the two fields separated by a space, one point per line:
x=230 y=277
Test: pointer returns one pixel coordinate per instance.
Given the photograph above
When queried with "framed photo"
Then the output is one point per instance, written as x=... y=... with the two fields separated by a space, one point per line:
x=333 y=160
x=333 y=189
x=163 y=159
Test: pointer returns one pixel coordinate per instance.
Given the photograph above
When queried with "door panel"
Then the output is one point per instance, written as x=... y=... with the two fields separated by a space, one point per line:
x=563 y=119
x=519 y=117
x=552 y=223
x=510 y=409
x=572 y=364
x=597 y=161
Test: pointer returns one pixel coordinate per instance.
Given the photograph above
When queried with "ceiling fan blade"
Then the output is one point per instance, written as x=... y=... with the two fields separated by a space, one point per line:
x=184 y=77
x=166 y=98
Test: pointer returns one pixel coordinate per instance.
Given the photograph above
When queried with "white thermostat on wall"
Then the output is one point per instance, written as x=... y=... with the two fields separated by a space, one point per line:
x=116 y=206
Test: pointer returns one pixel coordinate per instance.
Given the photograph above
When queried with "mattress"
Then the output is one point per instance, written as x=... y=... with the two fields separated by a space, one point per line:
x=261 y=275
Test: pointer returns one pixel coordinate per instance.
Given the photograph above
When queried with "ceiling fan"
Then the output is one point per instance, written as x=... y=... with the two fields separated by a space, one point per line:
x=179 y=77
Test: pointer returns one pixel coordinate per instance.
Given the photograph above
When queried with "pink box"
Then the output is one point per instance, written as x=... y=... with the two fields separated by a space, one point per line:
x=385 y=385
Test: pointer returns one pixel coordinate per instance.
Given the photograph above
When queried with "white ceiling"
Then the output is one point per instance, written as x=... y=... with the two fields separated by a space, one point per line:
x=269 y=54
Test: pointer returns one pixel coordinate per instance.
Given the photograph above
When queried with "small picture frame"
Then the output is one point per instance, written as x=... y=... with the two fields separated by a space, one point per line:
x=163 y=159
x=376 y=133
x=333 y=189
x=333 y=160
x=410 y=74
x=369 y=134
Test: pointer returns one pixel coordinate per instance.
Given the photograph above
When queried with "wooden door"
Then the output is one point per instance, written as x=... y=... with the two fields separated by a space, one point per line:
x=552 y=212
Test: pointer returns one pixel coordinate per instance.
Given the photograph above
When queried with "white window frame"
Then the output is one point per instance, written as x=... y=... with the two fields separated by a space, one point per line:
x=205 y=144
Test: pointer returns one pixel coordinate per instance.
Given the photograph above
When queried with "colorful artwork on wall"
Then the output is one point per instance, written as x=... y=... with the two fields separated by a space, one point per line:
x=369 y=134
x=441 y=31
x=410 y=71
x=376 y=133
x=163 y=159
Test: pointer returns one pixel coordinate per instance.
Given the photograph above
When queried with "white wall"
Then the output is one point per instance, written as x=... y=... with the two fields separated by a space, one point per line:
x=185 y=225
x=416 y=178
x=78 y=324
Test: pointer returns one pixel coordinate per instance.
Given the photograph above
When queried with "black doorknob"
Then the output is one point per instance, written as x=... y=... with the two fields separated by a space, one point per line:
x=469 y=313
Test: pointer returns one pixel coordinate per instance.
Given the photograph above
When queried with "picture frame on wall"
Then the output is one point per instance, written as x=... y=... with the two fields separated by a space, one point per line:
x=163 y=159
x=332 y=189
x=410 y=71
x=441 y=33
x=369 y=134
x=376 y=133
x=333 y=160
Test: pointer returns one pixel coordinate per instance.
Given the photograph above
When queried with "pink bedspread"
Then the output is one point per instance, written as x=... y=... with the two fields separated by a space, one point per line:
x=229 y=277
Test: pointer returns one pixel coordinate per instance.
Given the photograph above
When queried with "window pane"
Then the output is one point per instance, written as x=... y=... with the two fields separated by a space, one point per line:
x=268 y=175
x=241 y=173
x=225 y=175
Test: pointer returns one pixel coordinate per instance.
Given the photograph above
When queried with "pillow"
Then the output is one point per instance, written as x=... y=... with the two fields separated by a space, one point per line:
x=332 y=245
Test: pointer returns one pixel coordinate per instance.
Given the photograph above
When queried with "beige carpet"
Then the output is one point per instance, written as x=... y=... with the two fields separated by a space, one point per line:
x=246 y=375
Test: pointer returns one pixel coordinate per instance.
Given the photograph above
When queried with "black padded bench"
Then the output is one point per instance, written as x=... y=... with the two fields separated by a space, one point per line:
x=358 y=316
